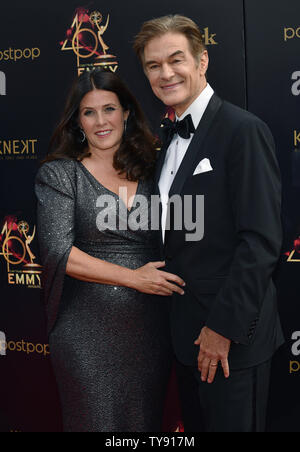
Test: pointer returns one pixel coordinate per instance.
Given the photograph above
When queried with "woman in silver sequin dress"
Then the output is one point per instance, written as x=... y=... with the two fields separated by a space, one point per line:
x=105 y=290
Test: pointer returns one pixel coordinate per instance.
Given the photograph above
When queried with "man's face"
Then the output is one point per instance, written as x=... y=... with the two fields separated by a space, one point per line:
x=176 y=78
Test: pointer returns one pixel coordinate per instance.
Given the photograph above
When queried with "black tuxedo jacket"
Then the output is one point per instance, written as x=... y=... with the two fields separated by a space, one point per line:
x=228 y=273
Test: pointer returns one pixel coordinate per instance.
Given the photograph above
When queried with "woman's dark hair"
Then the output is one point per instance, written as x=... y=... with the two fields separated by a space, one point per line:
x=136 y=156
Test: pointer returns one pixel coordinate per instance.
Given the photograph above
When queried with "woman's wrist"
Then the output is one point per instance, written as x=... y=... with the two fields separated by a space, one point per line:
x=127 y=278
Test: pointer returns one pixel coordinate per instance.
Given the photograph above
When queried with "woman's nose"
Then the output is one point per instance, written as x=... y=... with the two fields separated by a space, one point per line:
x=99 y=119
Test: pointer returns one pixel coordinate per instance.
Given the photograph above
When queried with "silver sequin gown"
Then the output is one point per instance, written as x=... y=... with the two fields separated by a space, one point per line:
x=110 y=346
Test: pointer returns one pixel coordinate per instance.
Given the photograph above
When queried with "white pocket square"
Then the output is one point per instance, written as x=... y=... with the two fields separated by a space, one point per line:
x=203 y=167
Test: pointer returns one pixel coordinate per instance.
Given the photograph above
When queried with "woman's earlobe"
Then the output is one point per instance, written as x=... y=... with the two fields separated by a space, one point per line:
x=83 y=135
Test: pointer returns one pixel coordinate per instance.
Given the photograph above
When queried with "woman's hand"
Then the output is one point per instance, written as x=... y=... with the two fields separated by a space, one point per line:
x=148 y=279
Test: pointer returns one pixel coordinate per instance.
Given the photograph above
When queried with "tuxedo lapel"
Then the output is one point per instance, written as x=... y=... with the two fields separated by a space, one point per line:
x=194 y=150
x=159 y=165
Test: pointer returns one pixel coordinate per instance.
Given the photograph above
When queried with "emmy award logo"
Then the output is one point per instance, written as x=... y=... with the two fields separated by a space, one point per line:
x=87 y=41
x=16 y=250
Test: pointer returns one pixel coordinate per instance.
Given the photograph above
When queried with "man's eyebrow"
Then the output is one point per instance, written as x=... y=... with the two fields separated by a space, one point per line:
x=177 y=53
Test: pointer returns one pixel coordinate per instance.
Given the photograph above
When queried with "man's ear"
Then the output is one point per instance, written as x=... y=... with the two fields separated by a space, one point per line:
x=204 y=62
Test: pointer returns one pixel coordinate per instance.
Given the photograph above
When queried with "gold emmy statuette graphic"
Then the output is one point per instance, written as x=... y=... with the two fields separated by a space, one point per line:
x=88 y=42
x=23 y=228
x=96 y=18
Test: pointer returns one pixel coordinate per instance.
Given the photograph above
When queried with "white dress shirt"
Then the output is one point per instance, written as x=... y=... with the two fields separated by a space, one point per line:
x=177 y=151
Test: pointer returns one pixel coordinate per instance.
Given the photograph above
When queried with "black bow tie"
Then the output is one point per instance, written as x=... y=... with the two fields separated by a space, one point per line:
x=183 y=128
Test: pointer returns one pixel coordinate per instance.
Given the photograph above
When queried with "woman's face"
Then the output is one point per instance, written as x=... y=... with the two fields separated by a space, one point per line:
x=102 y=117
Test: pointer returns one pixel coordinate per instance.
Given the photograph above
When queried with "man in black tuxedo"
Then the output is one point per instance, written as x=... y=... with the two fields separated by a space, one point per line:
x=225 y=328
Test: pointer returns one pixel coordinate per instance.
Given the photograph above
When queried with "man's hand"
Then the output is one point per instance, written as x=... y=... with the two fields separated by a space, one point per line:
x=213 y=348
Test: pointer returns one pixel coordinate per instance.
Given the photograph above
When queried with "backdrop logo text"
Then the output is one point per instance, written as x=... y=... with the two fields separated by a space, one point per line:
x=23 y=346
x=209 y=38
x=291 y=33
x=19 y=54
x=296 y=138
x=25 y=149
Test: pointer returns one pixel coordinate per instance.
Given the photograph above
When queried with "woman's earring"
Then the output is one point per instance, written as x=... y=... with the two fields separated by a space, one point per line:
x=83 y=137
x=125 y=125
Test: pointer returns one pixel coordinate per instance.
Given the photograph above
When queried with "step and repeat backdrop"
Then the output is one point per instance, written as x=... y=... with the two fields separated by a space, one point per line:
x=254 y=63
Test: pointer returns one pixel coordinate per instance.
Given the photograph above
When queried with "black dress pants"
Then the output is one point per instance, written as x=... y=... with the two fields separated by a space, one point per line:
x=236 y=404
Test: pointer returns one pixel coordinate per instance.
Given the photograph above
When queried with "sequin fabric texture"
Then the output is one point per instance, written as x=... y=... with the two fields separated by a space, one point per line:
x=110 y=345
